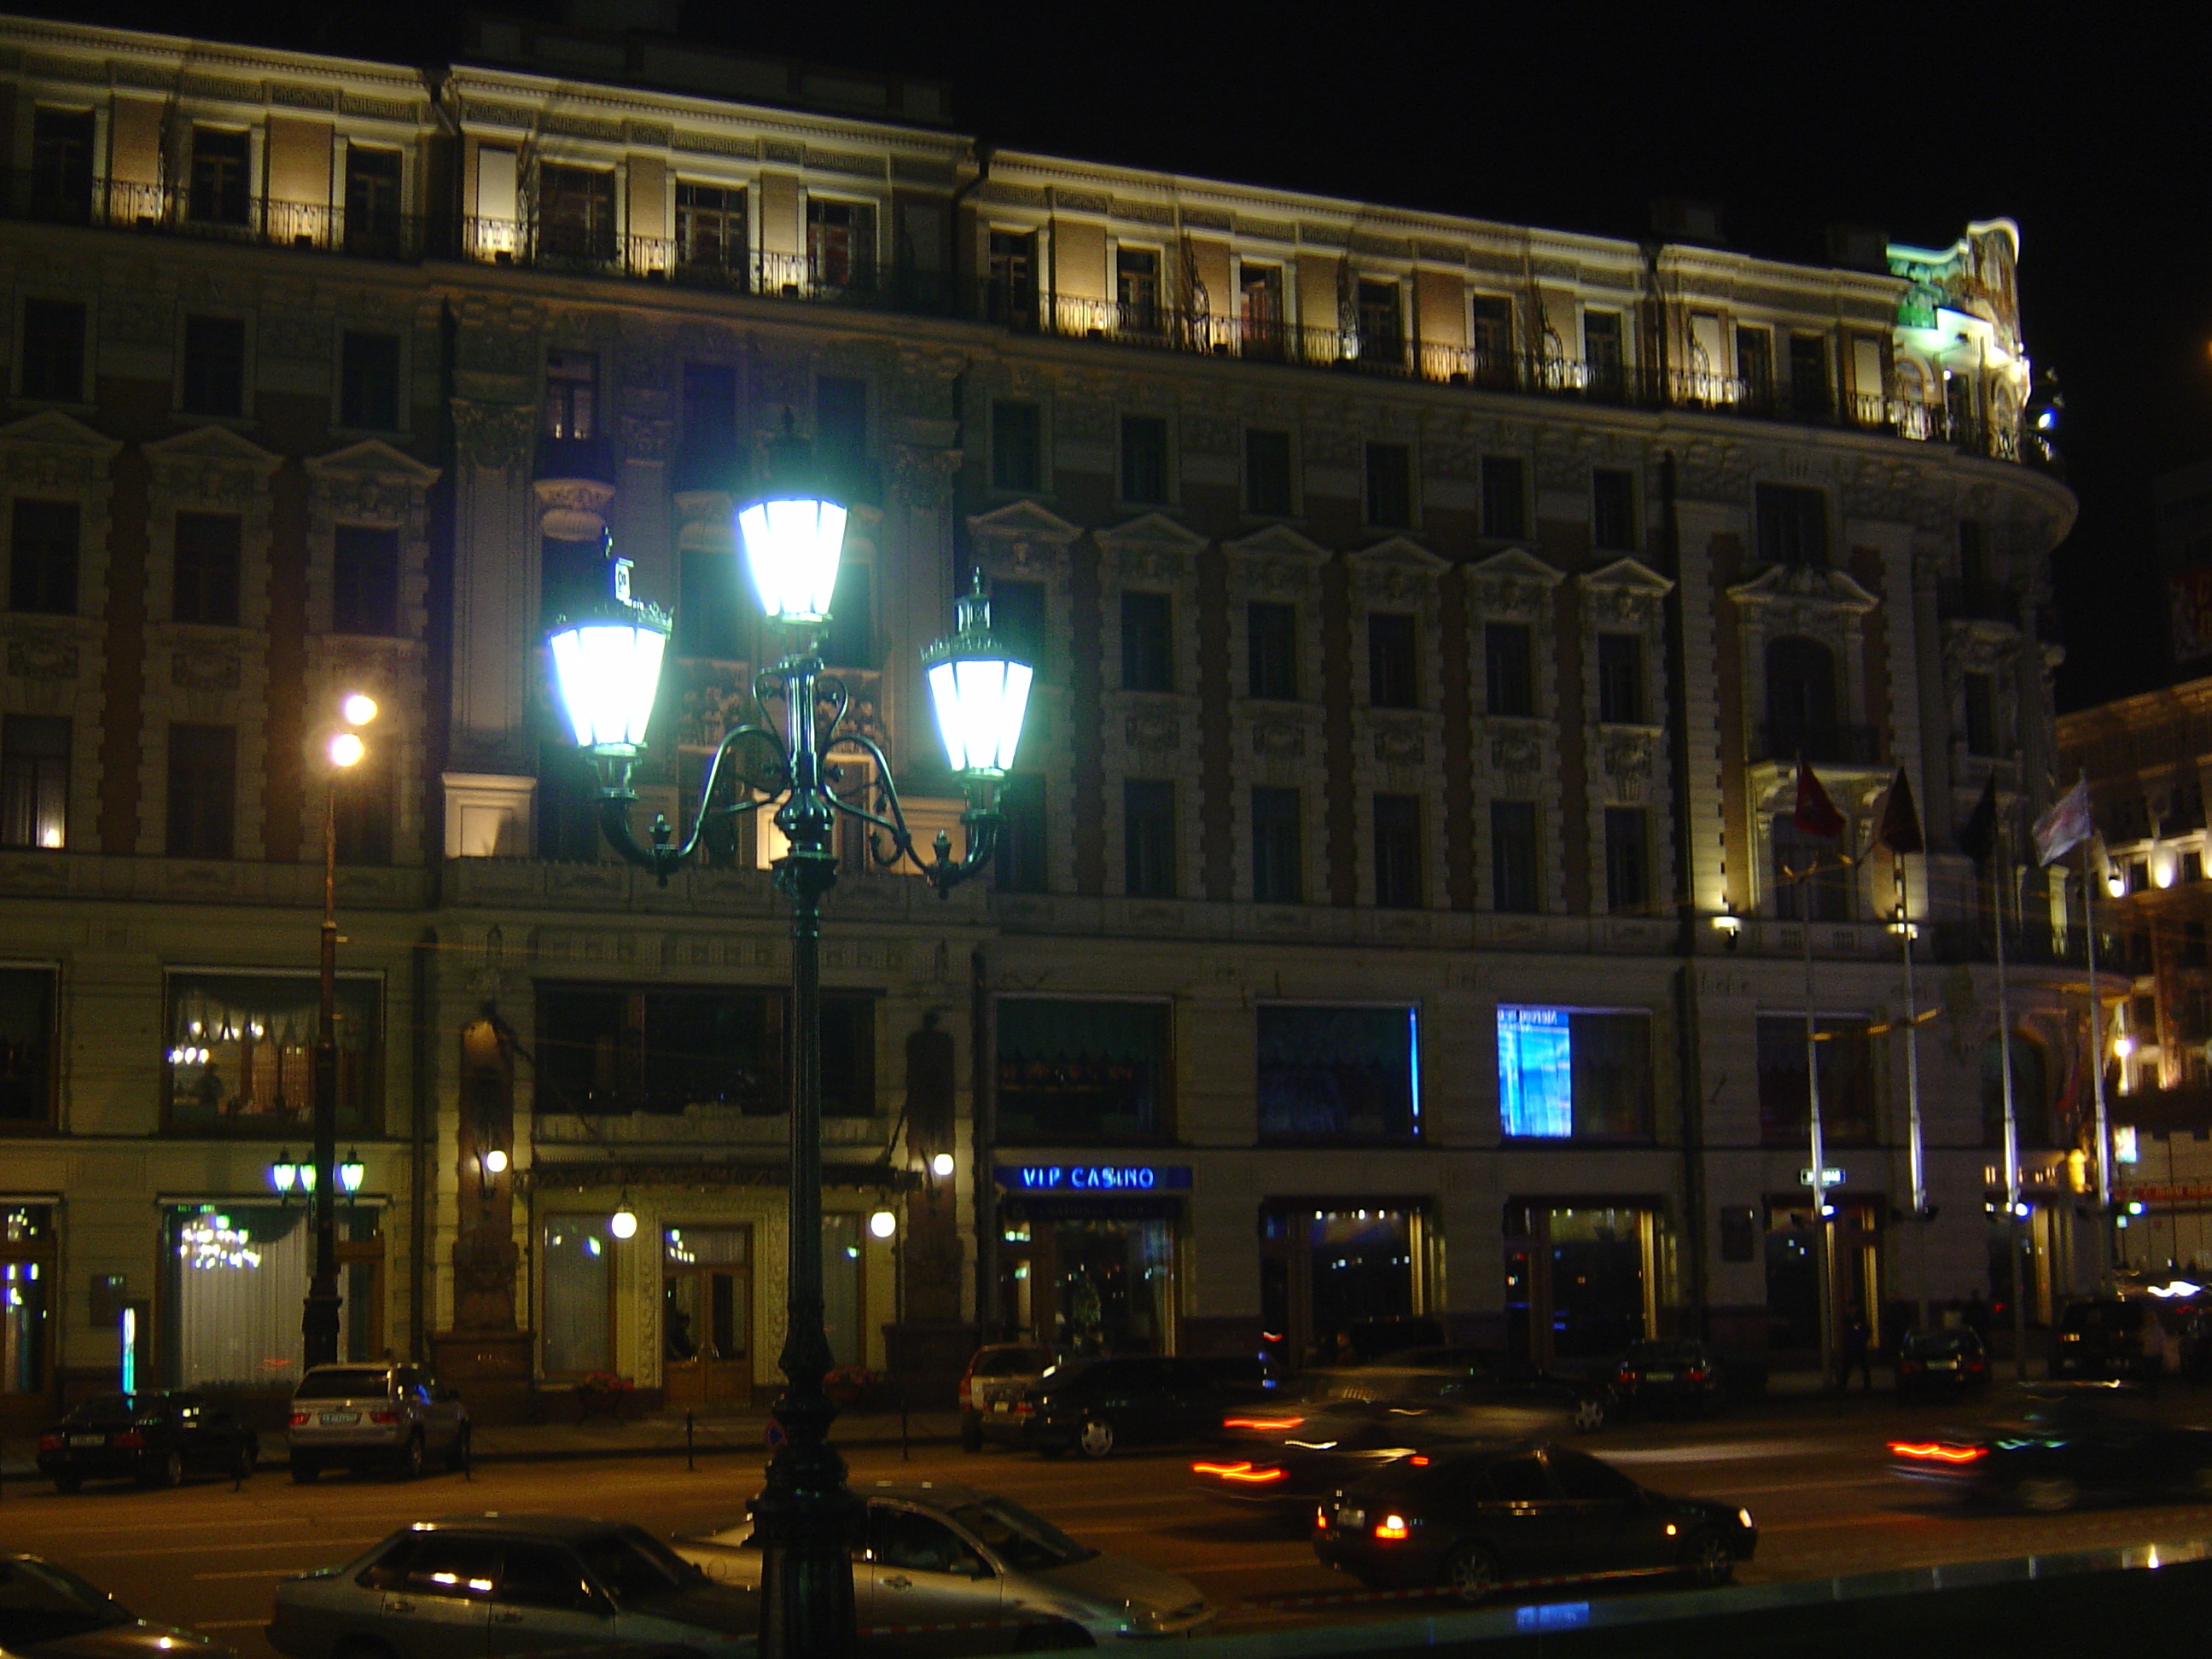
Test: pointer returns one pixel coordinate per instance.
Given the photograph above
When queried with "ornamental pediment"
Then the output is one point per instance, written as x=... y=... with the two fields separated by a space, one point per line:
x=217 y=445
x=1277 y=541
x=1151 y=529
x=52 y=430
x=1516 y=564
x=1804 y=587
x=1632 y=575
x=1024 y=521
x=374 y=458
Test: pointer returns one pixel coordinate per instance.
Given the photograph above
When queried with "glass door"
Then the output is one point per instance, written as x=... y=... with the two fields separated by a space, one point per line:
x=705 y=1315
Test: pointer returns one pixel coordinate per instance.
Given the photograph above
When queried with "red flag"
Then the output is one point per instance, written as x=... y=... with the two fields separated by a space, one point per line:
x=1816 y=814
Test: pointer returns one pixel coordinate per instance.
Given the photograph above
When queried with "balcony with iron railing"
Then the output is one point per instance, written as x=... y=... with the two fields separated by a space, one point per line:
x=592 y=248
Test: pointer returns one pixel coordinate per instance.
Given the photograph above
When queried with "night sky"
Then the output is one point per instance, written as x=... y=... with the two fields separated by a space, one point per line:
x=2091 y=134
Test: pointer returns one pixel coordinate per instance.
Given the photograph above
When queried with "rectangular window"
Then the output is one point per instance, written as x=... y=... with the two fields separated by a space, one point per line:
x=576 y=213
x=1493 y=340
x=1513 y=873
x=1627 y=861
x=365 y=581
x=61 y=164
x=373 y=215
x=1505 y=516
x=1605 y=361
x=1398 y=852
x=240 y=1052
x=1278 y=856
x=1018 y=617
x=1973 y=556
x=1793 y=525
x=579 y=1311
x=707 y=456
x=1148 y=838
x=363 y=814
x=1382 y=323
x=53 y=350
x=208 y=557
x=1810 y=393
x=1809 y=882
x=203 y=791
x=1509 y=669
x=849 y=641
x=1393 y=669
x=368 y=381
x=1613 y=510
x=1981 y=701
x=1016 y=446
x=1147 y=642
x=1846 y=1063
x=840 y=429
x=841 y=243
x=710 y=229
x=1578 y=1073
x=1390 y=486
x=1011 y=299
x=42 y=556
x=1620 y=678
x=1020 y=866
x=1754 y=365
x=222 y=168
x=565 y=816
x=1267 y=473
x=215 y=365
x=572 y=395
x=1137 y=289
x=1272 y=645
x=26 y=1047
x=1260 y=312
x=1144 y=459
x=607 y=1050
x=1336 y=1073
x=34 y=767
x=1082 y=1072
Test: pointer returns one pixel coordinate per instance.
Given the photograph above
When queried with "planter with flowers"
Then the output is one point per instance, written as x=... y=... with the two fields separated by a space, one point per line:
x=602 y=1393
x=852 y=1386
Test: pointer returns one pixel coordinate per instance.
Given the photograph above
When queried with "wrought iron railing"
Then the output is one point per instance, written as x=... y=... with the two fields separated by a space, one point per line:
x=594 y=250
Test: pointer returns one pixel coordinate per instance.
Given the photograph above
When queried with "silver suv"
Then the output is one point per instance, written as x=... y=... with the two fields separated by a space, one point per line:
x=390 y=1415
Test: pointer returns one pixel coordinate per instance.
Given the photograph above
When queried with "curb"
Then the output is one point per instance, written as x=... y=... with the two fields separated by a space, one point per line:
x=586 y=1454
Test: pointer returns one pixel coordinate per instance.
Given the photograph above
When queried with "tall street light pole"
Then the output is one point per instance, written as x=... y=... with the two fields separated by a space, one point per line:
x=607 y=663
x=318 y=1321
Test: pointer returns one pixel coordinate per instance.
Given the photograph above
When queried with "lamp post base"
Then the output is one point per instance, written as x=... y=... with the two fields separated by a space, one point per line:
x=807 y=1523
x=318 y=1324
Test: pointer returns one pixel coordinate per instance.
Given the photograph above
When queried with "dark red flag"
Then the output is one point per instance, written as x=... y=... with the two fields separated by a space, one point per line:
x=1816 y=814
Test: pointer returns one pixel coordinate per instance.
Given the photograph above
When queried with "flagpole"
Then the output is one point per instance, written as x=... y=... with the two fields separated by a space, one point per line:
x=1915 y=1146
x=2011 y=1132
x=2104 y=1228
x=1822 y=1264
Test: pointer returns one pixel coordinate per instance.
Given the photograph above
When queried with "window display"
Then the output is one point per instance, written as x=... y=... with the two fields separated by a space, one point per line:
x=1584 y=1073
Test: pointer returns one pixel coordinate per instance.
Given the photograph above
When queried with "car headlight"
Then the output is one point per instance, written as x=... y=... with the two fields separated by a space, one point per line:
x=1743 y=1519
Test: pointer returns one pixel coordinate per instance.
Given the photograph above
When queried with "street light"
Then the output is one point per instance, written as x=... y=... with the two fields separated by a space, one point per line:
x=607 y=661
x=324 y=1175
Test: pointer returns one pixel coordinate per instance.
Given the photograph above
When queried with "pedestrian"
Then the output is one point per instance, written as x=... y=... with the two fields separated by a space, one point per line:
x=1856 y=1353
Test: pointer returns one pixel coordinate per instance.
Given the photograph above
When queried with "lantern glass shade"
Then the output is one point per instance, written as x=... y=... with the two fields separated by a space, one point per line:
x=793 y=545
x=284 y=1174
x=979 y=700
x=608 y=673
x=350 y=1173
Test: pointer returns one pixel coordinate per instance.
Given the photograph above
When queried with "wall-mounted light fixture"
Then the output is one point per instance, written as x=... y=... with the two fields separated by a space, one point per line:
x=1728 y=924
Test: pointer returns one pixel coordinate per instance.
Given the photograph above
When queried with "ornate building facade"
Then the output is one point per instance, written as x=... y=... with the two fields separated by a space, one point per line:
x=1429 y=613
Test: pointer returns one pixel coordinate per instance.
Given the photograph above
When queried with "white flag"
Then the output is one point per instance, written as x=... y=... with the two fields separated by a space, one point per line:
x=2065 y=826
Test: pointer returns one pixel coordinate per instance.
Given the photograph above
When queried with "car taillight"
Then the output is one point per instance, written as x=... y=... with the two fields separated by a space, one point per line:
x=1929 y=1452
x=386 y=1416
x=1261 y=1423
x=1247 y=1474
x=50 y=1443
x=967 y=1394
x=1977 y=1364
x=300 y=1419
x=1695 y=1374
x=1392 y=1527
x=1024 y=1409
x=130 y=1438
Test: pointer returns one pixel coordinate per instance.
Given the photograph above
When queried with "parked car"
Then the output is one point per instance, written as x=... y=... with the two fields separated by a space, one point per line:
x=998 y=1374
x=2108 y=1338
x=1473 y=1522
x=1287 y=1460
x=390 y=1416
x=473 y=1586
x=158 y=1439
x=1678 y=1374
x=1095 y=1405
x=942 y=1555
x=1941 y=1362
x=2051 y=1445
x=1522 y=1399
x=47 y=1611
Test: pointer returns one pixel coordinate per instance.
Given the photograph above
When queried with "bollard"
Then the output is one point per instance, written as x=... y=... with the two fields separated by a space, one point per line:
x=689 y=1462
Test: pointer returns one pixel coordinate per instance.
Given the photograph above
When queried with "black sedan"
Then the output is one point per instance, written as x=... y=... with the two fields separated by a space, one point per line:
x=47 y=1611
x=2051 y=1446
x=1095 y=1406
x=1475 y=1522
x=1288 y=1460
x=1941 y=1362
x=157 y=1438
x=1680 y=1374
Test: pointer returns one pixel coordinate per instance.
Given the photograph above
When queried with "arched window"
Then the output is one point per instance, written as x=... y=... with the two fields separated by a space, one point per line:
x=1800 y=699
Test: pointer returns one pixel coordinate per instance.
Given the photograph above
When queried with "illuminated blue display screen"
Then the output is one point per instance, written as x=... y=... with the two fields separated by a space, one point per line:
x=1536 y=1071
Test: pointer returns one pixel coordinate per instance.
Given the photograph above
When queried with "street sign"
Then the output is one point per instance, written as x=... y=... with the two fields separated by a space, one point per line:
x=1830 y=1176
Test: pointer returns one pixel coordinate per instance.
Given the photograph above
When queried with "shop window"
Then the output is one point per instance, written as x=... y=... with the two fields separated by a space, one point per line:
x=1579 y=1073
x=1147 y=642
x=1016 y=446
x=27 y=1286
x=365 y=581
x=576 y=1316
x=1846 y=1063
x=236 y=1276
x=1272 y=650
x=240 y=1053
x=606 y=1050
x=215 y=365
x=843 y=1309
x=34 y=768
x=53 y=362
x=27 y=1047
x=1338 y=1073
x=1095 y=1282
x=1334 y=1272
x=1079 y=1071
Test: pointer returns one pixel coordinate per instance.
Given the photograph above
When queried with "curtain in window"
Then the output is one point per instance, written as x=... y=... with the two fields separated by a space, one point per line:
x=579 y=1295
x=841 y=1310
x=239 y=1279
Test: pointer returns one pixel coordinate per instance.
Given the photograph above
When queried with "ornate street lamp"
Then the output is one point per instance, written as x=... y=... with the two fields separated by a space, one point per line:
x=608 y=664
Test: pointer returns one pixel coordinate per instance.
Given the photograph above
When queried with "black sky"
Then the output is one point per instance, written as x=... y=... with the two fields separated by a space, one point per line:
x=2092 y=134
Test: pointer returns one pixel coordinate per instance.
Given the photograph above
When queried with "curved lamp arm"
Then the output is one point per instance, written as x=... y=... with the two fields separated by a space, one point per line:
x=890 y=839
x=663 y=857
